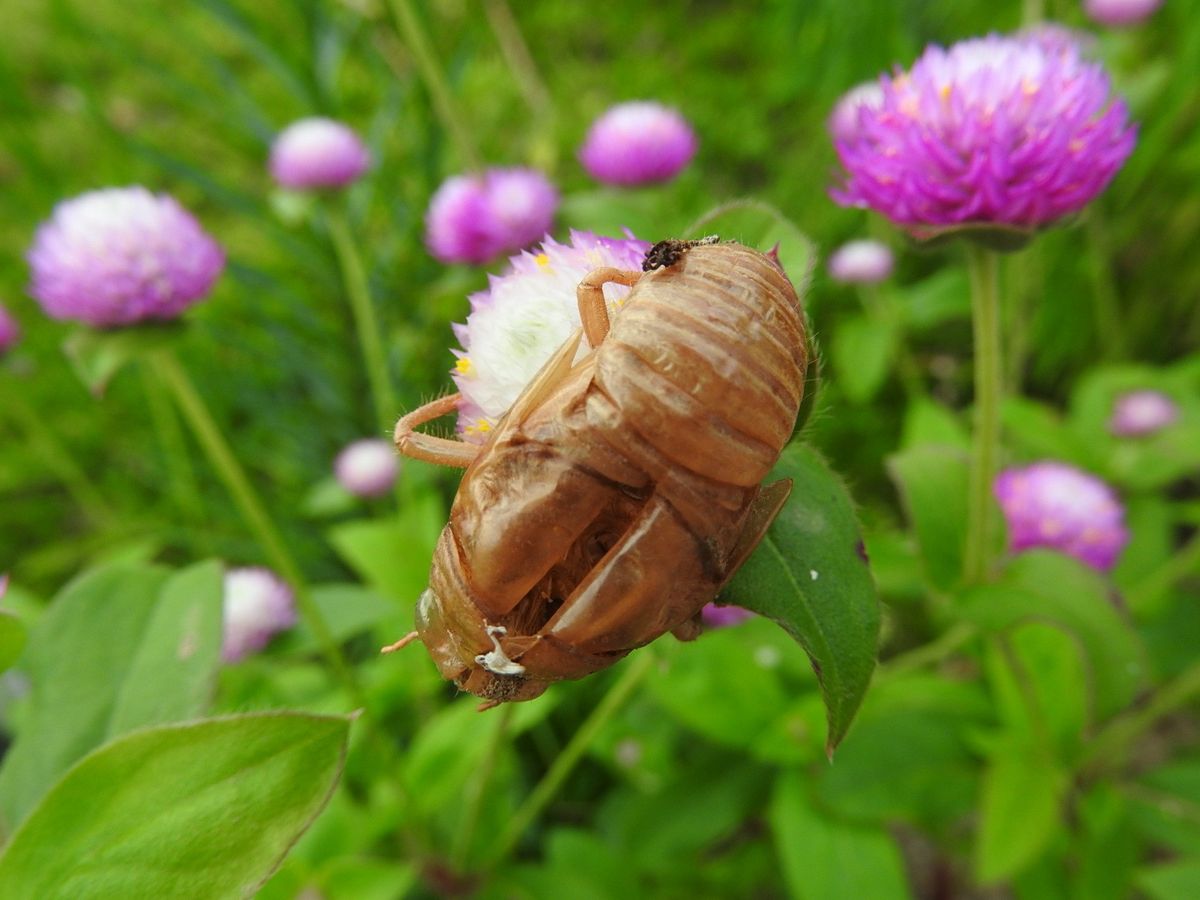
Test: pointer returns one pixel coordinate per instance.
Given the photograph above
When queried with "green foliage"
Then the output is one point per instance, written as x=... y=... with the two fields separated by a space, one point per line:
x=810 y=575
x=220 y=800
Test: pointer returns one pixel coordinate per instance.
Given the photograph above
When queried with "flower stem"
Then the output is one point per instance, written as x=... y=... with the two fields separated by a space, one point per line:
x=1185 y=561
x=637 y=669
x=180 y=473
x=985 y=313
x=57 y=458
x=516 y=54
x=1109 y=747
x=477 y=789
x=370 y=340
x=1105 y=302
x=413 y=34
x=230 y=471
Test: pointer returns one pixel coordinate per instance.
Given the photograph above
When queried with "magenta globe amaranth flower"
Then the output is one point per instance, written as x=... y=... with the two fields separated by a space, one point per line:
x=716 y=616
x=258 y=604
x=1002 y=133
x=861 y=262
x=1120 y=12
x=638 y=143
x=119 y=256
x=1054 y=505
x=10 y=332
x=367 y=468
x=318 y=153
x=1141 y=413
x=475 y=218
x=843 y=121
x=523 y=317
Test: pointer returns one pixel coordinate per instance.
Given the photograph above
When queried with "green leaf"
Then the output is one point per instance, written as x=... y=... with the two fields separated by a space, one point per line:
x=171 y=676
x=1050 y=587
x=78 y=655
x=928 y=422
x=98 y=355
x=123 y=646
x=824 y=859
x=940 y=298
x=810 y=575
x=12 y=639
x=1178 y=880
x=348 y=609
x=201 y=810
x=932 y=481
x=762 y=226
x=393 y=555
x=861 y=353
x=1020 y=809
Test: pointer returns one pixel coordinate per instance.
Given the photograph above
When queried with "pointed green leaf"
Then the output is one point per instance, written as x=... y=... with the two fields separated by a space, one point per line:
x=1050 y=587
x=123 y=646
x=12 y=639
x=206 y=809
x=1022 y=795
x=98 y=355
x=372 y=547
x=826 y=859
x=78 y=654
x=861 y=353
x=171 y=676
x=810 y=575
x=933 y=487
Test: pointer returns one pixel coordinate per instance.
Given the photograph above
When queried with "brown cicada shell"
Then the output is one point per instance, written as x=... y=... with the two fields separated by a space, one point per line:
x=622 y=490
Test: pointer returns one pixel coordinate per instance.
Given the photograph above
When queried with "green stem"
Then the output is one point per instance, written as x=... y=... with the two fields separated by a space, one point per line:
x=927 y=654
x=477 y=789
x=516 y=54
x=370 y=340
x=1110 y=746
x=1105 y=303
x=1185 y=561
x=637 y=669
x=180 y=474
x=985 y=310
x=57 y=459
x=230 y=471
x=413 y=34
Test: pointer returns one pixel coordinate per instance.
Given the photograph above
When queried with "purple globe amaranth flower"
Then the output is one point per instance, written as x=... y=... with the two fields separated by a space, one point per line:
x=119 y=256
x=367 y=468
x=1120 y=12
x=1000 y=134
x=716 y=616
x=258 y=604
x=1051 y=504
x=1140 y=413
x=843 y=122
x=523 y=317
x=861 y=262
x=475 y=218
x=638 y=143
x=10 y=331
x=318 y=153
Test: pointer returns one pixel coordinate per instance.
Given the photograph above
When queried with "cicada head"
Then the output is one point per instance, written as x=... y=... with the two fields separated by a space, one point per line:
x=489 y=674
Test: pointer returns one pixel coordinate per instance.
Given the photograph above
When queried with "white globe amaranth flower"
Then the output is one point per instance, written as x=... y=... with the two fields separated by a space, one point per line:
x=523 y=317
x=258 y=604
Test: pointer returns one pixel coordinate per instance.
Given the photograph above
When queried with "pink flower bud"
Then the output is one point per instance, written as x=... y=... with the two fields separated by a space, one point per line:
x=861 y=262
x=120 y=256
x=637 y=143
x=318 y=153
x=475 y=218
x=1139 y=413
x=715 y=616
x=1054 y=505
x=367 y=468
x=1120 y=12
x=258 y=604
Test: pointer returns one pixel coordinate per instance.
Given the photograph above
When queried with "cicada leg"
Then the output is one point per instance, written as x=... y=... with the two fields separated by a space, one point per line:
x=401 y=644
x=428 y=448
x=593 y=311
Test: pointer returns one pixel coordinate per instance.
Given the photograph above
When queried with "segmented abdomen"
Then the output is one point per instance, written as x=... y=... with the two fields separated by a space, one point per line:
x=706 y=364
